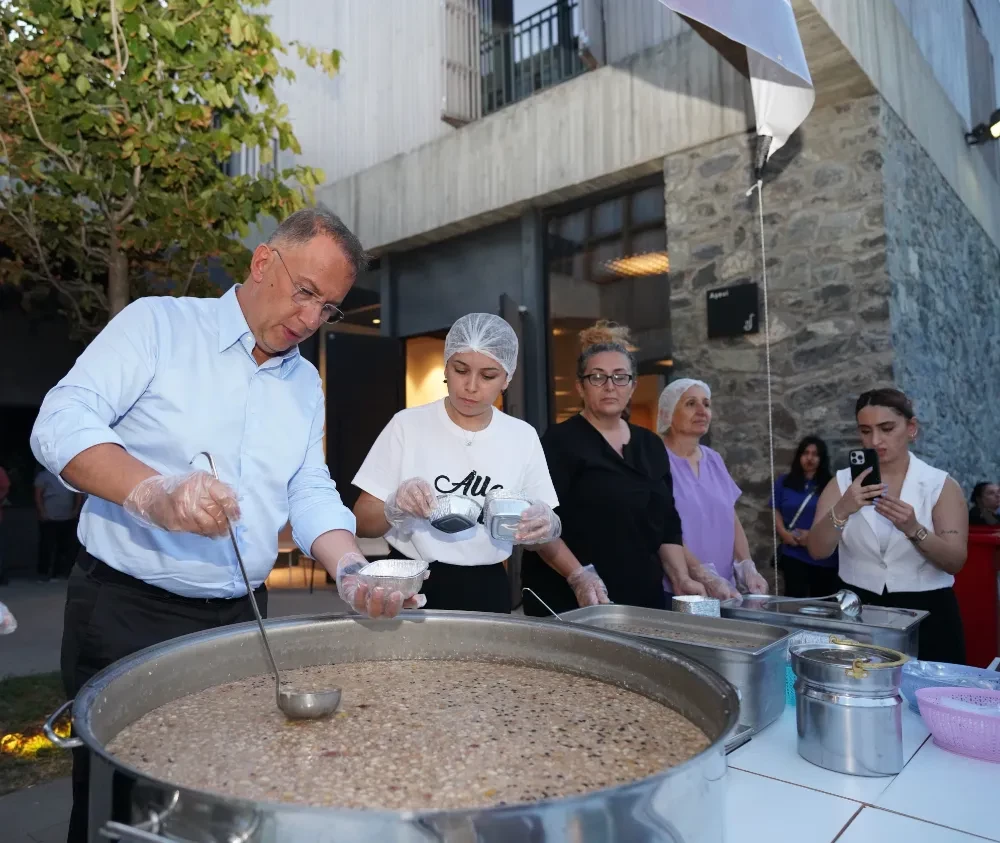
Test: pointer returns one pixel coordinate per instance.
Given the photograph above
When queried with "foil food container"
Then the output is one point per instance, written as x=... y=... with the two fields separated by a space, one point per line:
x=693 y=604
x=503 y=512
x=403 y=575
x=455 y=514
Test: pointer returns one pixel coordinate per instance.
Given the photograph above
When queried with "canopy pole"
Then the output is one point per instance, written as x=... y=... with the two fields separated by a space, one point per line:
x=765 y=142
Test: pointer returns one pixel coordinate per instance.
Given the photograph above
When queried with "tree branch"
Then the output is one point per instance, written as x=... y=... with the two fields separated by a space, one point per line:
x=193 y=16
x=122 y=216
x=30 y=230
x=116 y=31
x=23 y=91
x=190 y=277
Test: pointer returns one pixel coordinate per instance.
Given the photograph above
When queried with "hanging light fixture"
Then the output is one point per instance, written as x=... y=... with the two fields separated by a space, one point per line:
x=647 y=263
x=985 y=132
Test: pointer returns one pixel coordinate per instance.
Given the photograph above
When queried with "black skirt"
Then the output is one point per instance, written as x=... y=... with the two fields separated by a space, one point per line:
x=470 y=588
x=941 y=637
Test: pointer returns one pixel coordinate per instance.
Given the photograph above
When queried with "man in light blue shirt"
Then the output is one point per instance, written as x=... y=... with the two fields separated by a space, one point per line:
x=168 y=379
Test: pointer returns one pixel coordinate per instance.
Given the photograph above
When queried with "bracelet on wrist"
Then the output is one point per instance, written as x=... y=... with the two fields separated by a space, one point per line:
x=838 y=523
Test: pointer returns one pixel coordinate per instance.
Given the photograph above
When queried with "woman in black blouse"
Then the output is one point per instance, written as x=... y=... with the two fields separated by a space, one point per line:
x=615 y=494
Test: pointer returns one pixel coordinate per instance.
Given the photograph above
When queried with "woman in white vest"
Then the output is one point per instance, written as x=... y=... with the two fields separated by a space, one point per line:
x=462 y=446
x=900 y=543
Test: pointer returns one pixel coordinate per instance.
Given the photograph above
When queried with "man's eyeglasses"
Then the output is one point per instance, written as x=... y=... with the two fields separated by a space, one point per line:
x=600 y=378
x=301 y=296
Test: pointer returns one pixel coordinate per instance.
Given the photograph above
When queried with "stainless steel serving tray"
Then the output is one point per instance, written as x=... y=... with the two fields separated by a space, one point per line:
x=757 y=670
x=886 y=627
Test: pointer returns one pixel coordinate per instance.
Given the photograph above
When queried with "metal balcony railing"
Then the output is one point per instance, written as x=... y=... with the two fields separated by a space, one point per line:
x=537 y=52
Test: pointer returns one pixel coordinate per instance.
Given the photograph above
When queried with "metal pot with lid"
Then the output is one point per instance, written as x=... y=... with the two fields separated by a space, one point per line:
x=848 y=707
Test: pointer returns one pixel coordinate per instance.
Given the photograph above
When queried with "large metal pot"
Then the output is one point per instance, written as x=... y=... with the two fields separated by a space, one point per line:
x=682 y=805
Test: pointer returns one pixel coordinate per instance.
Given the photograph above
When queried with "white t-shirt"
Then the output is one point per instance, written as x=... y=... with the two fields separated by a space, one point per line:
x=424 y=442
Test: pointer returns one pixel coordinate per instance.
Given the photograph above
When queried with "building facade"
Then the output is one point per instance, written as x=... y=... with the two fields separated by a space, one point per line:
x=588 y=159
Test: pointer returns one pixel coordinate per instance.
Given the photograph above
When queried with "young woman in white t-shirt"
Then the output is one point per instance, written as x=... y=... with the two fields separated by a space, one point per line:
x=462 y=445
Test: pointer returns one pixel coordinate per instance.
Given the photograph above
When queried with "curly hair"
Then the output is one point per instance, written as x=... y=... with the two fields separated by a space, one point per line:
x=601 y=337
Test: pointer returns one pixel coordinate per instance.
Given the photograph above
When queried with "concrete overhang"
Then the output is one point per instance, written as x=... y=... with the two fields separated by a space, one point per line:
x=617 y=123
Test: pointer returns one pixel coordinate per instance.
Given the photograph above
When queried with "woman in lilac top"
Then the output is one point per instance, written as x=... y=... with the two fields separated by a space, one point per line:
x=704 y=494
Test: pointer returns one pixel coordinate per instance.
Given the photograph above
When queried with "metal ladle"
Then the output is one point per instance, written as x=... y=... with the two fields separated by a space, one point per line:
x=848 y=602
x=296 y=705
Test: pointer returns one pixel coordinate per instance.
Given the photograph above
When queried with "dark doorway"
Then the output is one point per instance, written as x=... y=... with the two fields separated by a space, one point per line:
x=364 y=390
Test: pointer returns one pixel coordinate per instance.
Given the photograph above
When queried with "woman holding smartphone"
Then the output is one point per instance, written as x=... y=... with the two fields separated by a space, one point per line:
x=463 y=447
x=900 y=542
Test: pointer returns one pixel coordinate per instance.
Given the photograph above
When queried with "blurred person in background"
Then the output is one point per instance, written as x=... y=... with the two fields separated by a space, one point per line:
x=795 y=497
x=900 y=542
x=704 y=492
x=4 y=491
x=985 y=505
x=615 y=491
x=57 y=508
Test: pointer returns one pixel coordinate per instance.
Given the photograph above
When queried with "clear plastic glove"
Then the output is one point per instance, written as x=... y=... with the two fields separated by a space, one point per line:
x=375 y=603
x=7 y=622
x=184 y=503
x=719 y=588
x=588 y=588
x=413 y=499
x=748 y=580
x=538 y=525
x=687 y=587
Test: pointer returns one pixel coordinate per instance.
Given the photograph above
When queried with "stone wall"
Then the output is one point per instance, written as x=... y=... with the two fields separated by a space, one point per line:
x=944 y=310
x=829 y=313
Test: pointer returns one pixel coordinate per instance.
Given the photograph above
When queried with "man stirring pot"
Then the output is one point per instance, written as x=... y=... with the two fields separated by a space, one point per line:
x=167 y=379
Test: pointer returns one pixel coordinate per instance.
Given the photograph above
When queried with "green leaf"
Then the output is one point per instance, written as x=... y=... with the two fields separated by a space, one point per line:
x=143 y=31
x=82 y=85
x=130 y=5
x=236 y=30
x=77 y=7
x=182 y=37
x=63 y=60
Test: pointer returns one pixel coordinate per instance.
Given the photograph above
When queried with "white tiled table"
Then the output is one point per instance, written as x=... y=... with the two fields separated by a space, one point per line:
x=775 y=795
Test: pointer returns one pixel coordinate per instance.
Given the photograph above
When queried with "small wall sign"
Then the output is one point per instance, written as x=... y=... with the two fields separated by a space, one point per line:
x=733 y=311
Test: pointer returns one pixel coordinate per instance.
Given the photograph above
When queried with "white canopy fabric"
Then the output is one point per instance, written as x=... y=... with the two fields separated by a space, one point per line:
x=783 y=92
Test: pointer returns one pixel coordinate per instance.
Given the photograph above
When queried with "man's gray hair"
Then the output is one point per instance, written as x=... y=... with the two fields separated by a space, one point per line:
x=302 y=226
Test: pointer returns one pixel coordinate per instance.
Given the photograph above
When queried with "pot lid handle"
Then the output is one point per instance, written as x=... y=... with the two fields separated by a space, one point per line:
x=861 y=666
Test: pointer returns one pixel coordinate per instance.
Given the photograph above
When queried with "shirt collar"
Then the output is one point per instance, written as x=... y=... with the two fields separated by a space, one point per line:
x=233 y=328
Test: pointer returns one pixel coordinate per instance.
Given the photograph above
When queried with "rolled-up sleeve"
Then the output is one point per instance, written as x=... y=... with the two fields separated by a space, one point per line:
x=314 y=504
x=80 y=411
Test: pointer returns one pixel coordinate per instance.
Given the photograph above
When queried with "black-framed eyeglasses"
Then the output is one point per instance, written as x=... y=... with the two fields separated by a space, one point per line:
x=329 y=313
x=601 y=378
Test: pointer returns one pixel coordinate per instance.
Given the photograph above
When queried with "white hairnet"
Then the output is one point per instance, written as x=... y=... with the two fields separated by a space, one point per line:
x=486 y=333
x=669 y=398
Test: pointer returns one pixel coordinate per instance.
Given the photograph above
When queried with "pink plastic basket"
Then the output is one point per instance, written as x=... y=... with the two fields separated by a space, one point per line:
x=963 y=720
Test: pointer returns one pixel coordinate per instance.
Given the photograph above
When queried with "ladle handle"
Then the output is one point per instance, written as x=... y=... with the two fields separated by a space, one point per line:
x=539 y=599
x=246 y=580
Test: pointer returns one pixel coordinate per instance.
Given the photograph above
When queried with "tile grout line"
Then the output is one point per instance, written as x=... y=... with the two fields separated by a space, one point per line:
x=932 y=822
x=881 y=793
x=860 y=802
x=854 y=816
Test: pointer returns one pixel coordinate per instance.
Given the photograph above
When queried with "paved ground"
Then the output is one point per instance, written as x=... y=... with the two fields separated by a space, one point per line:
x=40 y=814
